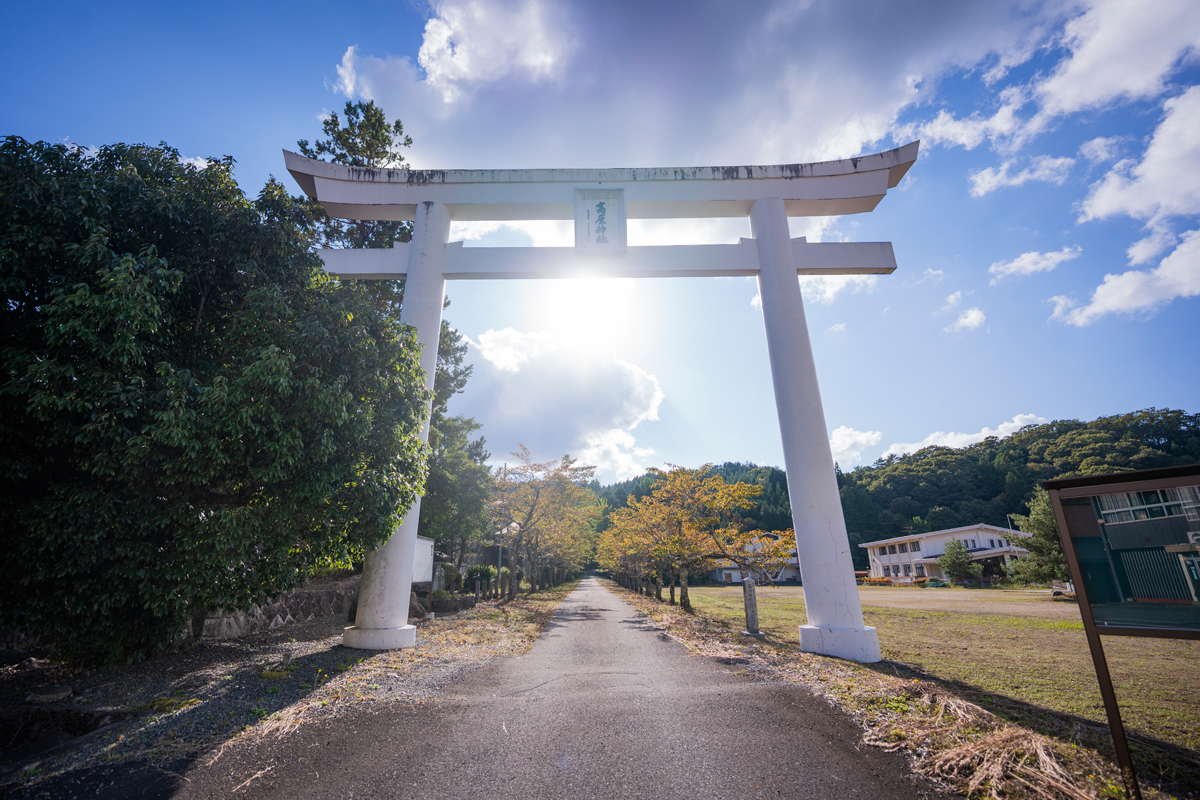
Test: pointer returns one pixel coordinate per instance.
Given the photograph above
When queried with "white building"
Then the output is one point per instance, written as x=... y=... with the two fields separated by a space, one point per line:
x=905 y=558
x=728 y=572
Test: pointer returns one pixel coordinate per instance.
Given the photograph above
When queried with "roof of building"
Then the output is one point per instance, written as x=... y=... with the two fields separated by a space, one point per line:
x=1005 y=532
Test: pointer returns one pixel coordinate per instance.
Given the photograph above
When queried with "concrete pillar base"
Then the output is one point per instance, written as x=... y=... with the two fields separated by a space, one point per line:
x=860 y=645
x=380 y=638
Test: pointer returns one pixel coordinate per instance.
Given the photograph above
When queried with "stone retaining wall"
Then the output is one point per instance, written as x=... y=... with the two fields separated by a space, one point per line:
x=296 y=606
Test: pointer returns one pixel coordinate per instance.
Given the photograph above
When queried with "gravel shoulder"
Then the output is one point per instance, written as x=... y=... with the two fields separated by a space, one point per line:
x=196 y=703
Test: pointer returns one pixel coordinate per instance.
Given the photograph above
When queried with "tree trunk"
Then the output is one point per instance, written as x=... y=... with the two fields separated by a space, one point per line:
x=672 y=576
x=658 y=578
x=684 y=600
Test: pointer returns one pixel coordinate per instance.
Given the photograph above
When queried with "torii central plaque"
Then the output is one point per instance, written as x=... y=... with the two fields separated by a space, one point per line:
x=600 y=201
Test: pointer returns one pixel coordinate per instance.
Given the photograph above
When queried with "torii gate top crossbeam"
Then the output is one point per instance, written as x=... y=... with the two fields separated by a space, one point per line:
x=826 y=188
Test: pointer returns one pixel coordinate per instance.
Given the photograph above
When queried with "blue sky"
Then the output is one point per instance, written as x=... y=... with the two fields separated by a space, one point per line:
x=1048 y=237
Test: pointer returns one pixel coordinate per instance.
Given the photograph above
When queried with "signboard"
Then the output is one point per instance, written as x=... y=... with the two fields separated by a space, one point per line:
x=1132 y=542
x=600 y=221
x=1135 y=540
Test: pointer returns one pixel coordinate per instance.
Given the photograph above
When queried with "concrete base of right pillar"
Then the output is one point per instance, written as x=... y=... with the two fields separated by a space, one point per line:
x=861 y=645
x=379 y=638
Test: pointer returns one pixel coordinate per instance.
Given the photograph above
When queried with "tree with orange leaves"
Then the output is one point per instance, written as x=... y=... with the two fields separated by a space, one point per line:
x=545 y=512
x=690 y=522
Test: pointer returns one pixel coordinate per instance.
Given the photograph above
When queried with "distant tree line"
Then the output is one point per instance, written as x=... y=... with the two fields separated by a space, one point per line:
x=945 y=487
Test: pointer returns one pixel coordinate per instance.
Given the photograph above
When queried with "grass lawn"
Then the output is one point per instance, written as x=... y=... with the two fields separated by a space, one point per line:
x=1013 y=644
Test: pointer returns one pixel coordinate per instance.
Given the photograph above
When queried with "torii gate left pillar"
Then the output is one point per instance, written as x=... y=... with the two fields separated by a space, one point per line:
x=382 y=619
x=599 y=201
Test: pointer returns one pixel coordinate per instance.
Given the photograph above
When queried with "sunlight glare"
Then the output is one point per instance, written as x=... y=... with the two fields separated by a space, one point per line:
x=588 y=313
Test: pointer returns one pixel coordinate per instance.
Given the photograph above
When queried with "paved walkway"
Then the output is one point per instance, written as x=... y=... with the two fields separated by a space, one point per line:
x=603 y=706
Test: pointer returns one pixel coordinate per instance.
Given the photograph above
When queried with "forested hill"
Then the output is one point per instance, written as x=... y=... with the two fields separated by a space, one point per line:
x=945 y=487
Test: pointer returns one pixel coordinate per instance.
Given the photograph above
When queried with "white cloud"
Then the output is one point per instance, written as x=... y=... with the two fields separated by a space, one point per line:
x=756 y=301
x=838 y=328
x=661 y=232
x=1178 y=275
x=508 y=349
x=517 y=233
x=557 y=395
x=968 y=132
x=1120 y=51
x=824 y=289
x=195 y=161
x=964 y=439
x=968 y=320
x=470 y=42
x=1101 y=149
x=953 y=300
x=935 y=275
x=1162 y=237
x=1160 y=186
x=1031 y=262
x=516 y=71
x=616 y=451
x=1043 y=168
x=848 y=444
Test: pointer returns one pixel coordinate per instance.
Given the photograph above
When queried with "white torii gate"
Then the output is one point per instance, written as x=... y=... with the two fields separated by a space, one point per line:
x=600 y=201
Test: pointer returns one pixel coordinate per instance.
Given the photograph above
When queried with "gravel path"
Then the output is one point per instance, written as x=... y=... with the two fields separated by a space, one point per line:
x=603 y=706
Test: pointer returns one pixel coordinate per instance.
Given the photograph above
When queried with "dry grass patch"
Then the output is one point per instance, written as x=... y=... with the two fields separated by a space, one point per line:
x=994 y=646
x=948 y=734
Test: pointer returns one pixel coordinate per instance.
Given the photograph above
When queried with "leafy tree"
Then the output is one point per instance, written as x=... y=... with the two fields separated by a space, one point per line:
x=367 y=140
x=942 y=487
x=691 y=521
x=545 y=512
x=454 y=506
x=956 y=562
x=191 y=413
x=984 y=482
x=1046 y=561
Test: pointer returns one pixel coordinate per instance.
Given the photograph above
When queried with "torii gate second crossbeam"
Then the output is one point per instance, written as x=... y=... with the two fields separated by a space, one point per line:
x=600 y=202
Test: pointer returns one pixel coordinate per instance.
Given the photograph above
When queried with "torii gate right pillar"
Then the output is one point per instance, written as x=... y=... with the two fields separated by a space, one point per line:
x=835 y=621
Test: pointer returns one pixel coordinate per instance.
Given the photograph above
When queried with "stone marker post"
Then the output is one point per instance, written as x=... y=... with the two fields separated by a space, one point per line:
x=477 y=582
x=751 y=601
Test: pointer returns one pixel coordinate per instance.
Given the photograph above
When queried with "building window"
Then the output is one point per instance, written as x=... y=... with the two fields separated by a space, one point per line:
x=972 y=545
x=991 y=543
x=891 y=548
x=887 y=571
x=903 y=548
x=883 y=551
x=920 y=570
x=915 y=547
x=1127 y=507
x=908 y=569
